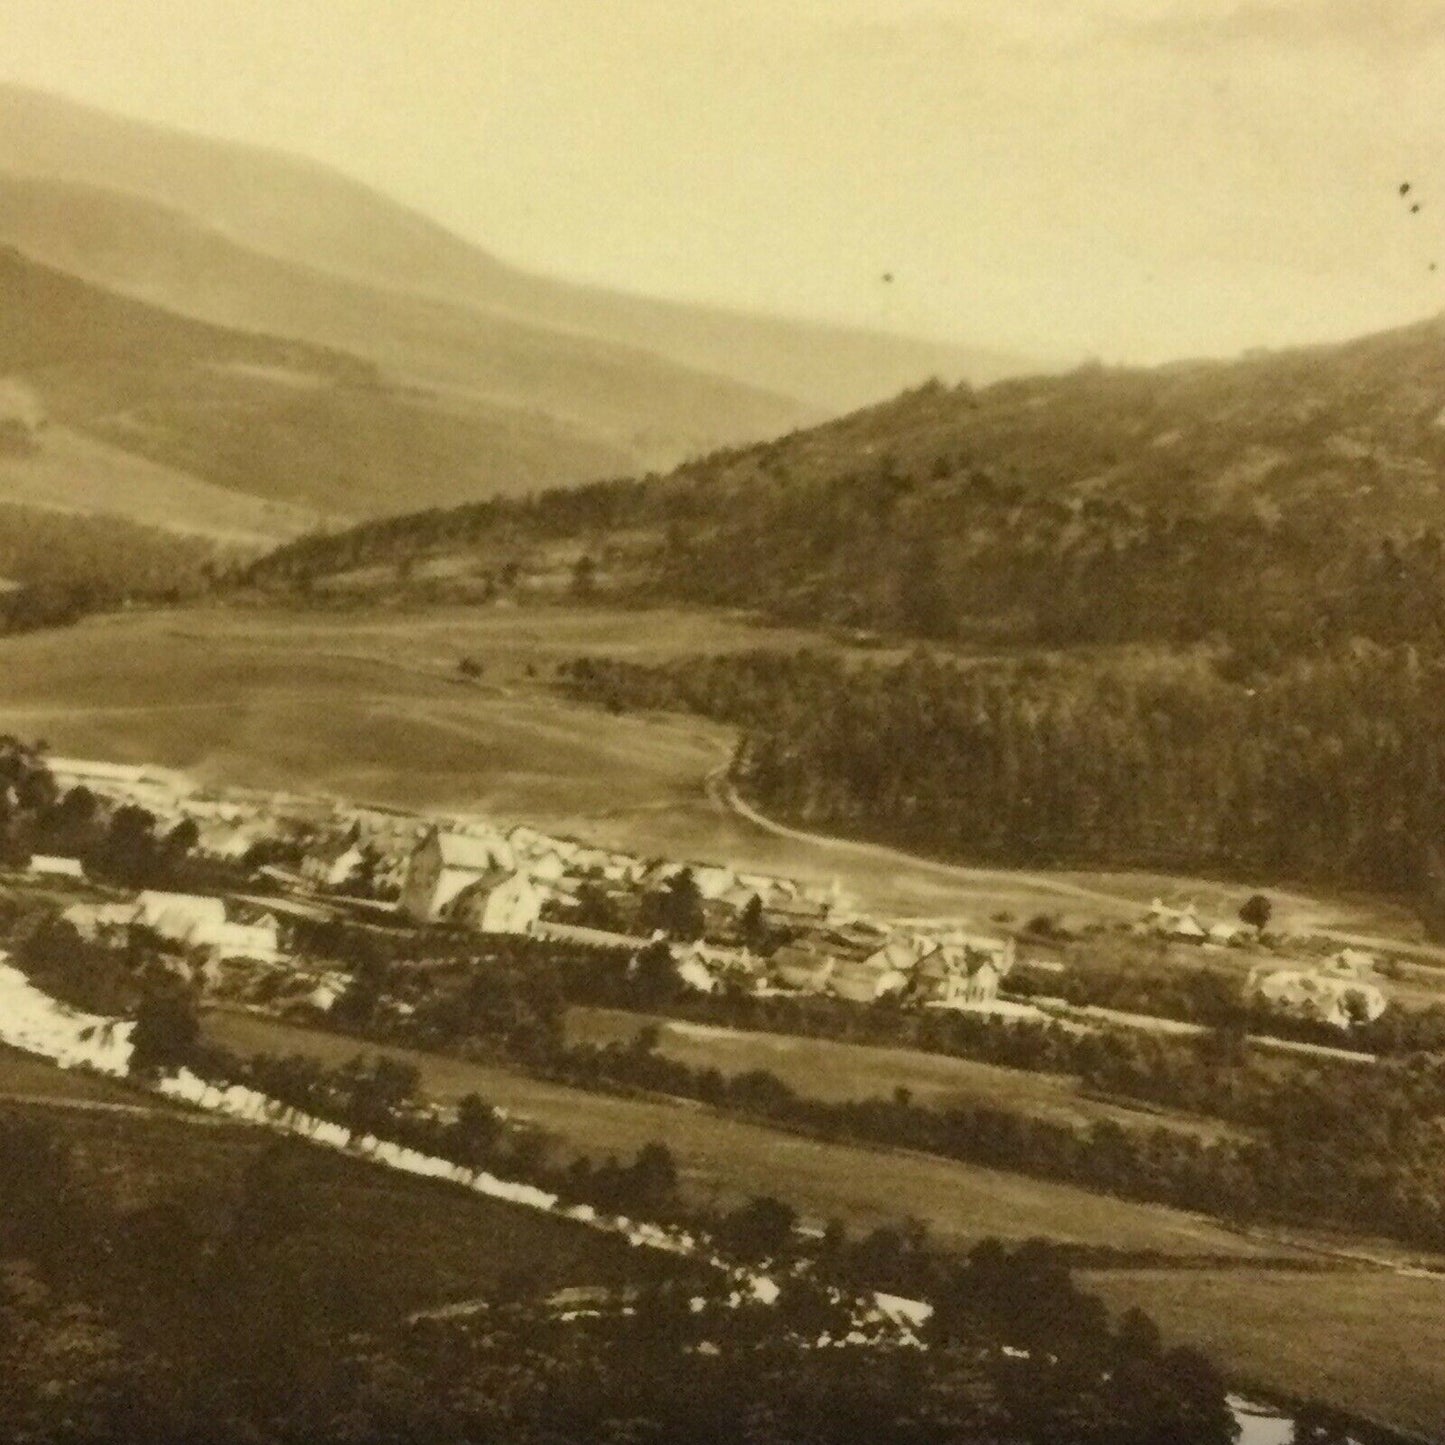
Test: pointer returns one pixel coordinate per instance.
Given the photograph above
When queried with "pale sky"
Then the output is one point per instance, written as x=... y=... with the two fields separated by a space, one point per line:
x=1132 y=179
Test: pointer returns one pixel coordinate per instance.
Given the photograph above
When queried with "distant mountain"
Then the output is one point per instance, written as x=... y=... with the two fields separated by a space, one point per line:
x=103 y=381
x=1292 y=494
x=639 y=408
x=302 y=213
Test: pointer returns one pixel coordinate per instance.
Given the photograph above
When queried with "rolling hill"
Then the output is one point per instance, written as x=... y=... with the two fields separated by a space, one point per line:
x=634 y=405
x=743 y=368
x=1284 y=492
x=197 y=415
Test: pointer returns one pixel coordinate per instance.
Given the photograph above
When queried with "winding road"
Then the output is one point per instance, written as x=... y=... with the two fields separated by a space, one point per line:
x=725 y=798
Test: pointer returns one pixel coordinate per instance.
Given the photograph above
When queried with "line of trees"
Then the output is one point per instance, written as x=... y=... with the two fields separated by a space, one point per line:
x=1303 y=1152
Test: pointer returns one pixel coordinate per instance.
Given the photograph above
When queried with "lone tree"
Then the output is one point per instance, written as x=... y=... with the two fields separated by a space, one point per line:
x=681 y=906
x=473 y=1136
x=652 y=1179
x=653 y=974
x=584 y=576
x=758 y=1229
x=166 y=1029
x=751 y=925
x=1256 y=911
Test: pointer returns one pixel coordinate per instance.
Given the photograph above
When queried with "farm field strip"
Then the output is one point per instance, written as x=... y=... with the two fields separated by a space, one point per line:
x=727 y=1160
x=831 y=1070
x=1362 y=1339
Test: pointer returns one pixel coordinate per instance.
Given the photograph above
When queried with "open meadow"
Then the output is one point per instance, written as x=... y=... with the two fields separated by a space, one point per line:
x=1364 y=1340
x=826 y=1069
x=727 y=1160
x=369 y=704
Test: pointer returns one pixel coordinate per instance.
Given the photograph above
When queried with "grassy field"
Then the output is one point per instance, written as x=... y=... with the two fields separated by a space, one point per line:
x=415 y=1243
x=1293 y=911
x=371 y=709
x=825 y=1069
x=24 y=1076
x=1363 y=1340
x=76 y=473
x=729 y=1160
x=368 y=704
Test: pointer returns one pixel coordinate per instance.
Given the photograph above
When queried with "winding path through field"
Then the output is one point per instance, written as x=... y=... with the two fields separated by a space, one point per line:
x=723 y=795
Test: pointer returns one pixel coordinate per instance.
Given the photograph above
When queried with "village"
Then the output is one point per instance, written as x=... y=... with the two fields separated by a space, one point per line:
x=276 y=867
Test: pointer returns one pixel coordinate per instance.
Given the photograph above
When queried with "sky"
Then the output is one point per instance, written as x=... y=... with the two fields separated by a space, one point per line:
x=1133 y=180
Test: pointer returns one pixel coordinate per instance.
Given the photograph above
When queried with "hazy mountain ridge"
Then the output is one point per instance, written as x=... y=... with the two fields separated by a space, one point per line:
x=652 y=411
x=302 y=212
x=268 y=417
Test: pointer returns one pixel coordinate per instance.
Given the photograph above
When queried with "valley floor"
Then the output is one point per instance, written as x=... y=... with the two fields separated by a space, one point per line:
x=728 y=1160
x=1288 y=1321
x=369 y=704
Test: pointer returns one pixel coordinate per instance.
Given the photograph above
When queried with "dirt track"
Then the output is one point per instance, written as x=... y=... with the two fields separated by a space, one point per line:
x=724 y=796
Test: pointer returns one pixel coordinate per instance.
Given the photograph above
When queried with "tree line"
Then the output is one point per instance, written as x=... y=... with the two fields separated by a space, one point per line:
x=1336 y=1144
x=1331 y=770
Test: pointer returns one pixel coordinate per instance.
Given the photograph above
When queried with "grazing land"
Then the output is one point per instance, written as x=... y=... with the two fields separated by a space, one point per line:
x=728 y=1160
x=25 y=1077
x=1363 y=1340
x=831 y=1071
x=75 y=473
x=412 y=1243
x=368 y=703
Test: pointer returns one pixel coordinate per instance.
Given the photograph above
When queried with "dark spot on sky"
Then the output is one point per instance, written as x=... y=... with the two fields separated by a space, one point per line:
x=1415 y=209
x=1404 y=188
x=888 y=277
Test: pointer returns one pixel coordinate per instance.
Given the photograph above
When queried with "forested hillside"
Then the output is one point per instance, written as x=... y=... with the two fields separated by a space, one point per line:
x=1331 y=770
x=1280 y=500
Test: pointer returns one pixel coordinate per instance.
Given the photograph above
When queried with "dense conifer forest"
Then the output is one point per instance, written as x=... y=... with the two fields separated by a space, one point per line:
x=1328 y=769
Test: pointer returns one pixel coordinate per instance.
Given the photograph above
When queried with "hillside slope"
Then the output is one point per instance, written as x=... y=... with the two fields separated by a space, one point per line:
x=650 y=411
x=1287 y=492
x=302 y=212
x=271 y=418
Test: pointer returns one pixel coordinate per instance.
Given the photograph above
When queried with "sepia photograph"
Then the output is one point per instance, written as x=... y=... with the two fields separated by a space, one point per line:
x=722 y=722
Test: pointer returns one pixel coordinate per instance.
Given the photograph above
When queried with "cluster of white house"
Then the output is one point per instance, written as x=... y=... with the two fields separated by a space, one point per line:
x=218 y=928
x=467 y=872
x=1184 y=925
x=1338 y=991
